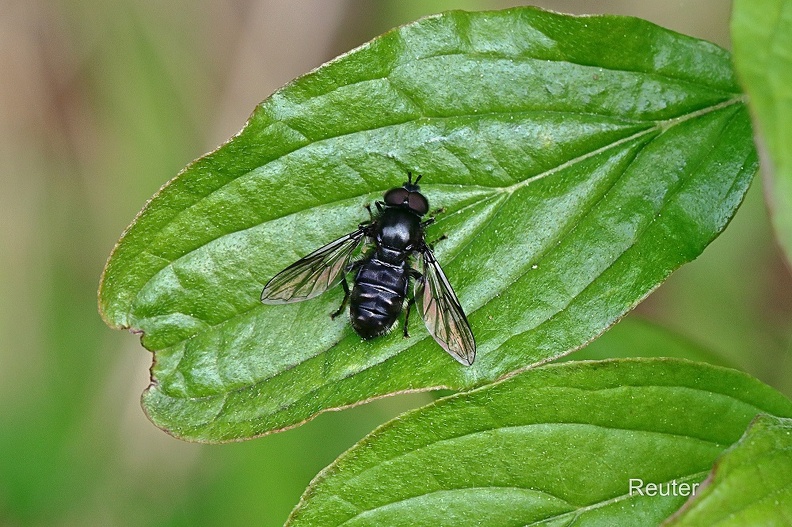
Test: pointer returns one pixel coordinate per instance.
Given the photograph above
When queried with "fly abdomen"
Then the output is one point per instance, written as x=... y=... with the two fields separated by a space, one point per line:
x=377 y=297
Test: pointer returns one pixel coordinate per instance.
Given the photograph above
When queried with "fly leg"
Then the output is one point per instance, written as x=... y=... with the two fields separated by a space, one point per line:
x=372 y=218
x=431 y=220
x=441 y=238
x=410 y=303
x=345 y=285
x=378 y=204
x=418 y=277
x=432 y=215
x=351 y=267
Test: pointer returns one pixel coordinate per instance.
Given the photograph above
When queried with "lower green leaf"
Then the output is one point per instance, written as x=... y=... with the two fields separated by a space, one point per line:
x=621 y=442
x=751 y=483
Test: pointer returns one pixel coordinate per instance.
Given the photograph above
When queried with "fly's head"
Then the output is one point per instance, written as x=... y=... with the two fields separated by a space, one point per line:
x=408 y=196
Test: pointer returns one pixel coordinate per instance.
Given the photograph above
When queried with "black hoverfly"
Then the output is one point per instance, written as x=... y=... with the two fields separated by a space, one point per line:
x=382 y=275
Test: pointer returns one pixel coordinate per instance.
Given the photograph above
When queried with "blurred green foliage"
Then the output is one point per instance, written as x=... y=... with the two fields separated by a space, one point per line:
x=101 y=103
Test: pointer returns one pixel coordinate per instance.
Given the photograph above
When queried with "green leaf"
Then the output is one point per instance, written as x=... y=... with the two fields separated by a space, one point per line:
x=557 y=445
x=762 y=37
x=579 y=160
x=751 y=483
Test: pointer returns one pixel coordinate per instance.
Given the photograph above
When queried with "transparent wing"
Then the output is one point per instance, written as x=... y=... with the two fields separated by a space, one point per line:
x=444 y=317
x=314 y=274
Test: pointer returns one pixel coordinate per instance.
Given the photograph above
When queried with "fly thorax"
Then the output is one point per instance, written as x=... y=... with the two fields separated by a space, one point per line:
x=399 y=229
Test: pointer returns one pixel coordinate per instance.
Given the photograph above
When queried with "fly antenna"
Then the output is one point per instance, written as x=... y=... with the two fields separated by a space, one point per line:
x=411 y=185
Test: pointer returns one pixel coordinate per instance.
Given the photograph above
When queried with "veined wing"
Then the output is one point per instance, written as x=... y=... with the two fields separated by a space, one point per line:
x=314 y=274
x=443 y=315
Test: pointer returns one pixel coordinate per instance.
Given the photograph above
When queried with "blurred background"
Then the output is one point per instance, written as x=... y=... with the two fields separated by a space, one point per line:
x=103 y=102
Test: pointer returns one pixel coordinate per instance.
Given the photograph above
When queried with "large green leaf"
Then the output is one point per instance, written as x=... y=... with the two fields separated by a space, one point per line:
x=557 y=445
x=762 y=36
x=579 y=160
x=751 y=483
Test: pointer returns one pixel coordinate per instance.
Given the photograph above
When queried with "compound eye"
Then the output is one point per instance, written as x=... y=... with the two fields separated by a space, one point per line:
x=418 y=203
x=395 y=197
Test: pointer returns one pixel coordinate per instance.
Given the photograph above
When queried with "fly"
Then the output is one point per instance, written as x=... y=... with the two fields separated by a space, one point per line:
x=382 y=275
